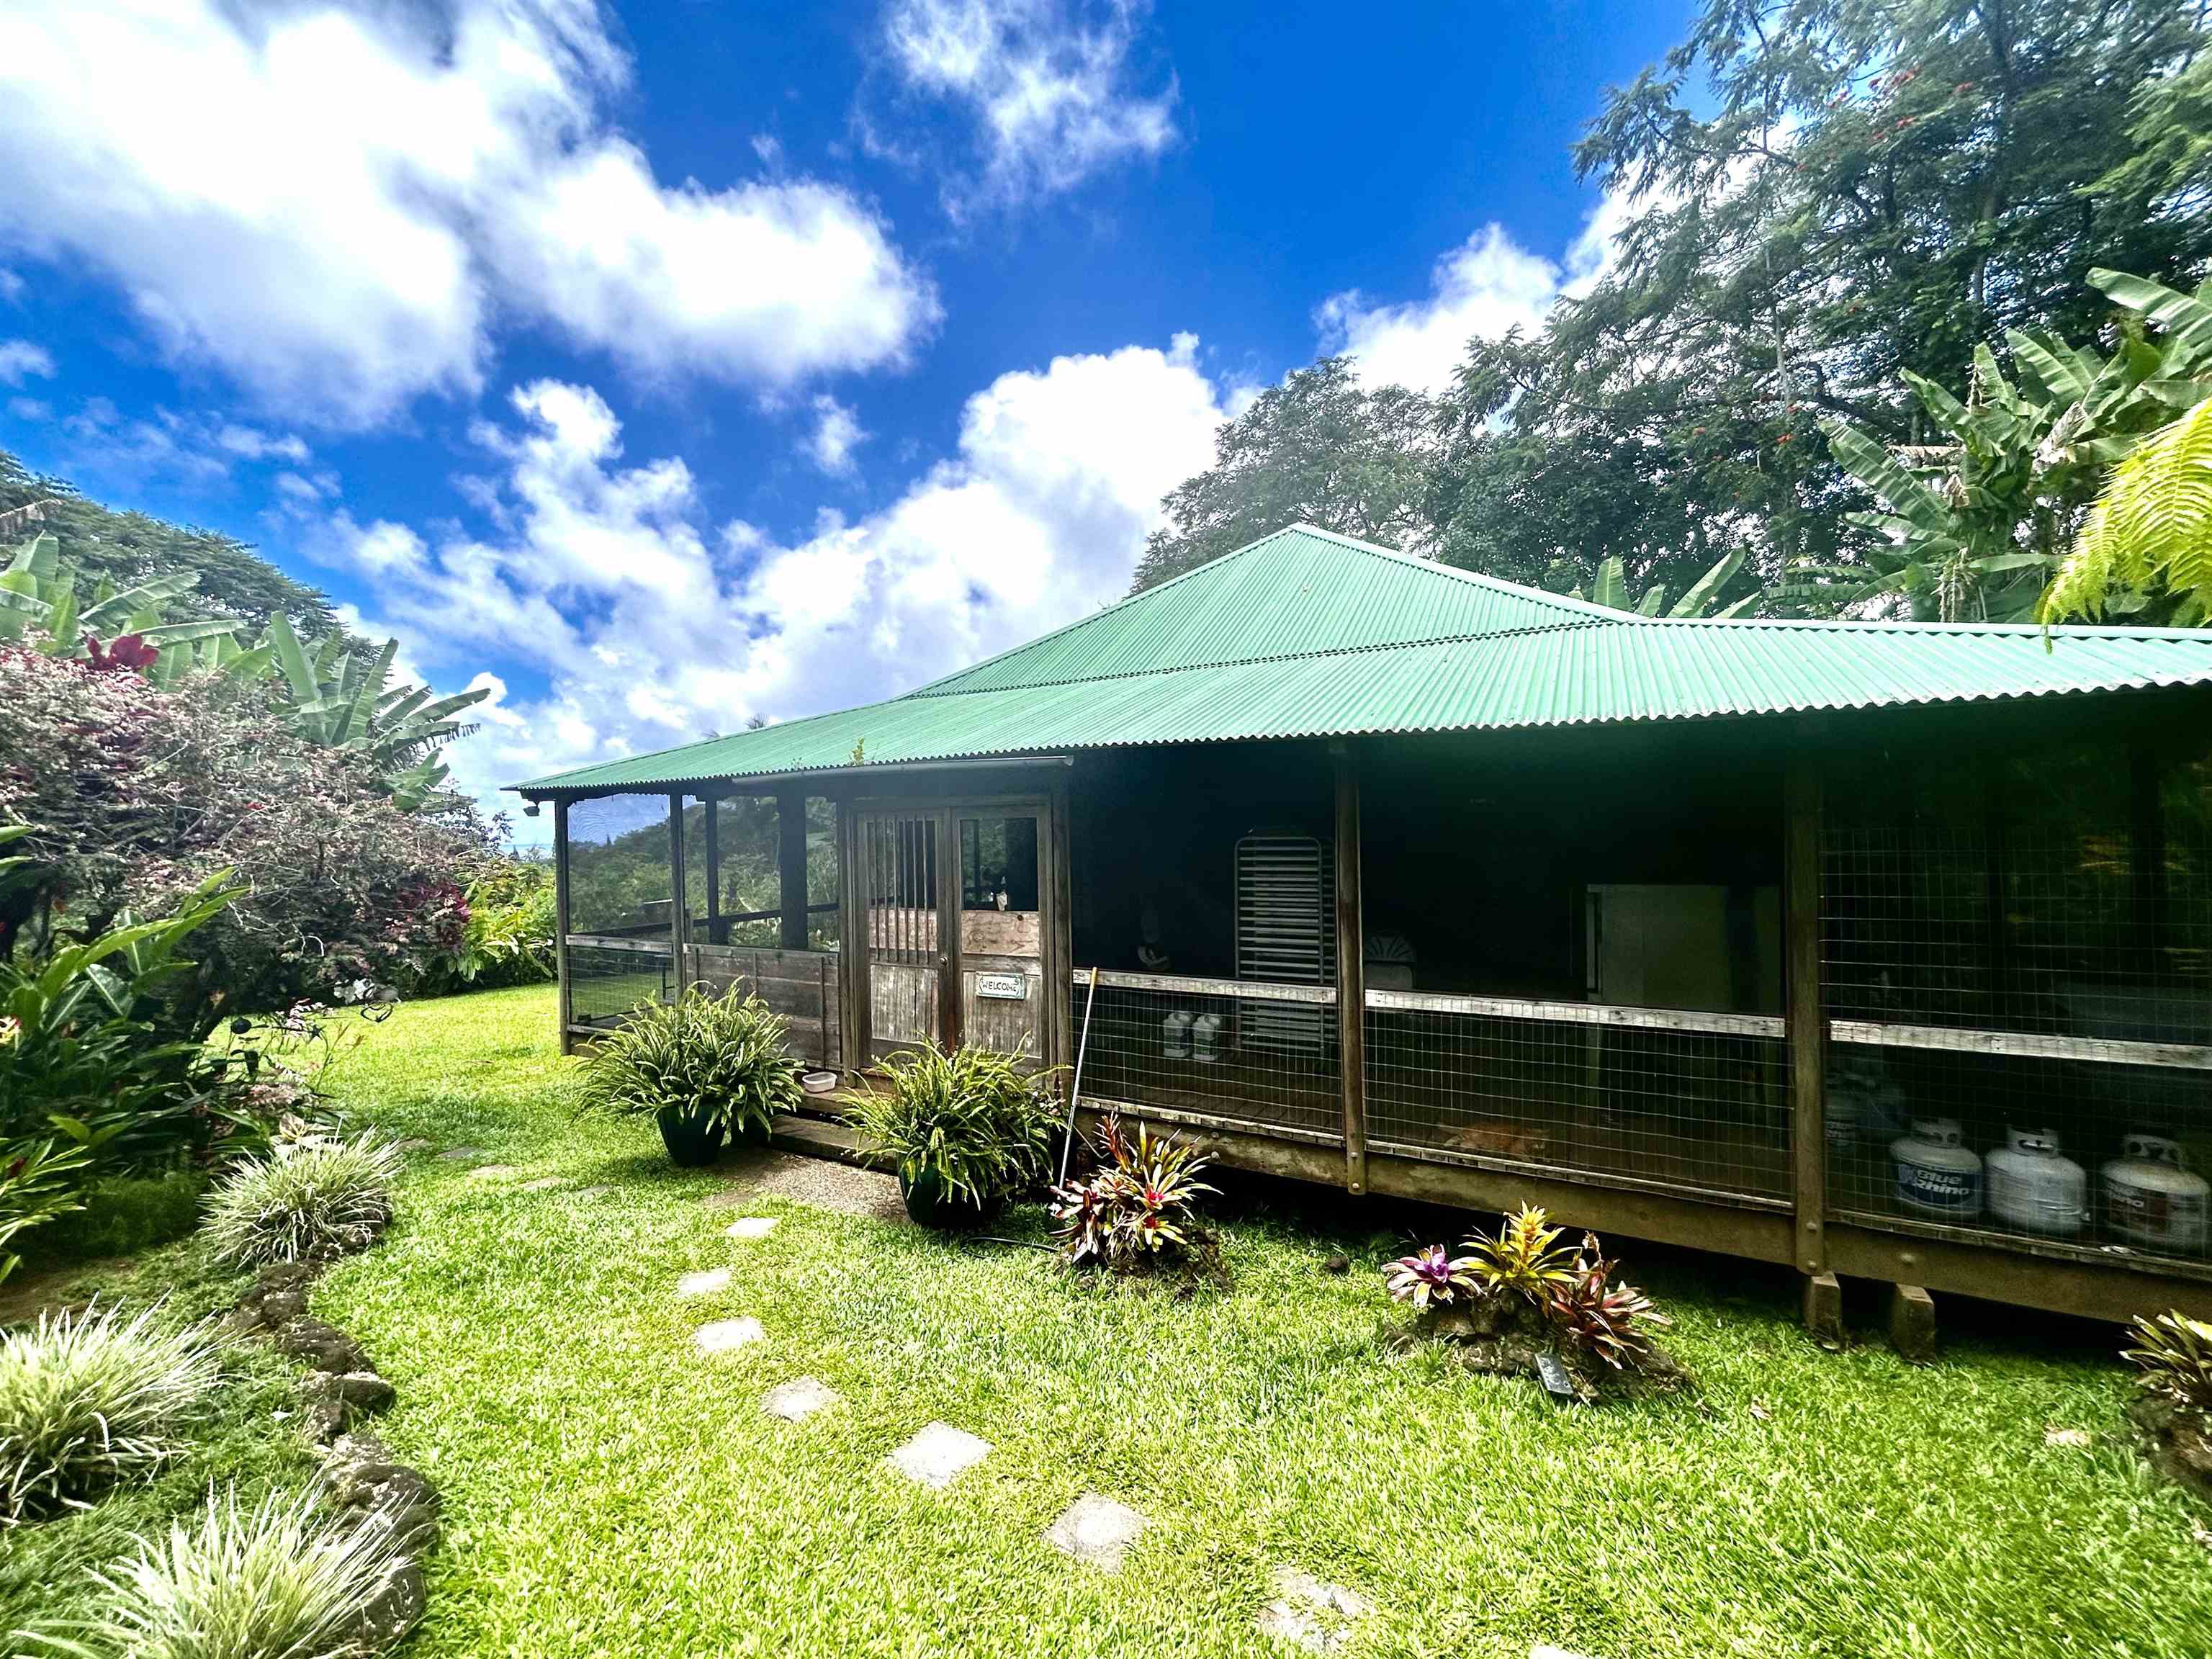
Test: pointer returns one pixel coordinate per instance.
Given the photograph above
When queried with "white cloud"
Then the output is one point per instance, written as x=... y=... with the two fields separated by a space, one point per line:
x=21 y=359
x=196 y=446
x=1484 y=286
x=1049 y=84
x=338 y=201
x=251 y=444
x=835 y=435
x=646 y=630
x=11 y=285
x=30 y=409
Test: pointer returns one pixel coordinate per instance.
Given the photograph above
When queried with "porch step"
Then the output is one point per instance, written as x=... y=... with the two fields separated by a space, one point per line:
x=814 y=1137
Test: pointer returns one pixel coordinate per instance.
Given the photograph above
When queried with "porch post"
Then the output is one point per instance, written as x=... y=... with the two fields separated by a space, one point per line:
x=1805 y=1019
x=566 y=991
x=1350 y=969
x=852 y=943
x=679 y=917
x=790 y=864
x=714 y=871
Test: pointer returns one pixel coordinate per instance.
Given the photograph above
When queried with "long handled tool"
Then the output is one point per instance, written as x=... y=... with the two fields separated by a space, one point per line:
x=1075 y=1090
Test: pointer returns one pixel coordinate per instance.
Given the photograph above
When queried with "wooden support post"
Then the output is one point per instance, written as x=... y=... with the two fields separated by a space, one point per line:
x=1060 y=934
x=1913 y=1323
x=1805 y=1019
x=1350 y=969
x=680 y=906
x=1824 y=1308
x=852 y=944
x=714 y=934
x=791 y=865
x=567 y=987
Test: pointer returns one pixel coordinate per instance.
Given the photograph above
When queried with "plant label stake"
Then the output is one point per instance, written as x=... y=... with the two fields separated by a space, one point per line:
x=1553 y=1376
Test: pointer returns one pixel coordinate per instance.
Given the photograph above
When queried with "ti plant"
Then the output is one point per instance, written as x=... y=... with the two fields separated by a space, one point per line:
x=1432 y=1277
x=1610 y=1322
x=1139 y=1209
x=1525 y=1259
x=2175 y=1354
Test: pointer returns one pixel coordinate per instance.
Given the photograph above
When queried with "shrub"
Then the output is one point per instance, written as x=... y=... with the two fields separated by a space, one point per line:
x=2175 y=1354
x=287 y=1579
x=975 y=1121
x=88 y=1399
x=307 y=1201
x=1139 y=1209
x=39 y=1181
x=713 y=1059
x=1608 y=1321
x=123 y=1214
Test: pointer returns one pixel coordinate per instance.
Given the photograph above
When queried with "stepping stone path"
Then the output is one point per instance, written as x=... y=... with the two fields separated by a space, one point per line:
x=939 y=1455
x=491 y=1171
x=796 y=1401
x=543 y=1183
x=412 y=1145
x=704 y=1284
x=1309 y=1614
x=1096 y=1530
x=751 y=1227
x=462 y=1154
x=727 y=1335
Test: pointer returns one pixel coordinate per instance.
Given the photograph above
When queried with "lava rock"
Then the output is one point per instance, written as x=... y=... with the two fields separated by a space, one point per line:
x=1339 y=1264
x=325 y=1347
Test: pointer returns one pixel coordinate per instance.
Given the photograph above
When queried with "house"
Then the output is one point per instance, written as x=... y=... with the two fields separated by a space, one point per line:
x=1876 y=949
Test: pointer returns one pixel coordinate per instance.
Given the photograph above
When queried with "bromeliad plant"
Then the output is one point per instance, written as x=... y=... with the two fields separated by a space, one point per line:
x=1432 y=1277
x=1139 y=1209
x=2175 y=1354
x=1609 y=1321
x=968 y=1130
x=1525 y=1259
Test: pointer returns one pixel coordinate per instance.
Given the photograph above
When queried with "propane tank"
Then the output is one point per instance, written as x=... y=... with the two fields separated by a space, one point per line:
x=1205 y=1032
x=2033 y=1187
x=1936 y=1173
x=2152 y=1197
x=1175 y=1035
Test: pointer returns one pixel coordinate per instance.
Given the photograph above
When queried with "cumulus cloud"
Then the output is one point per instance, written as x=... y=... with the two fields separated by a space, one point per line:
x=1483 y=288
x=646 y=629
x=837 y=433
x=20 y=360
x=337 y=200
x=1048 y=85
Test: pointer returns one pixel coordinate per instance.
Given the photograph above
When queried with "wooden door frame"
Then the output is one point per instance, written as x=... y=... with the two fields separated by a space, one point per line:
x=1045 y=807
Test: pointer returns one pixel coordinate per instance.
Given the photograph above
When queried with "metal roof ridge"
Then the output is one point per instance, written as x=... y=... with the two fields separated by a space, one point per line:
x=1279 y=656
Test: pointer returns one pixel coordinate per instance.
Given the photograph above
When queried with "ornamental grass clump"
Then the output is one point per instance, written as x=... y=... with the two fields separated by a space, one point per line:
x=309 y=1200
x=1523 y=1292
x=89 y=1399
x=286 y=1579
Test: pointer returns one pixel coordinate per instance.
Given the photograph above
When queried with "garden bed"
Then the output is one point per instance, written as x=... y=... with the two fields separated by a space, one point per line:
x=609 y=1488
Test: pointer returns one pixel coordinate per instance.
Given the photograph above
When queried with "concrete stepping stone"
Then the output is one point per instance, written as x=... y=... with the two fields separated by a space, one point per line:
x=751 y=1227
x=462 y=1154
x=704 y=1284
x=1310 y=1614
x=1096 y=1530
x=412 y=1145
x=491 y=1171
x=939 y=1455
x=542 y=1184
x=727 y=1335
x=594 y=1192
x=800 y=1399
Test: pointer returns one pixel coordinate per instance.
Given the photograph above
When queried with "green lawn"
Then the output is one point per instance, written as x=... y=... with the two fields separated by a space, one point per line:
x=608 y=1492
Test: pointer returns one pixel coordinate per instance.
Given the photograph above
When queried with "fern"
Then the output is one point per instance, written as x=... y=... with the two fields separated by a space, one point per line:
x=2152 y=528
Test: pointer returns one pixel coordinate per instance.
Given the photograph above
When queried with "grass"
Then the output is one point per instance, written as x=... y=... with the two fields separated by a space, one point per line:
x=608 y=1490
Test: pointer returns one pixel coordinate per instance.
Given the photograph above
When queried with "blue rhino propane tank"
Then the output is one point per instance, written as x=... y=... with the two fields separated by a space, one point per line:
x=2033 y=1187
x=2152 y=1198
x=1936 y=1173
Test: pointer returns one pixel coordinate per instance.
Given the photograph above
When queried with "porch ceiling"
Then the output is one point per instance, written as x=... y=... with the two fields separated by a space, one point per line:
x=1307 y=634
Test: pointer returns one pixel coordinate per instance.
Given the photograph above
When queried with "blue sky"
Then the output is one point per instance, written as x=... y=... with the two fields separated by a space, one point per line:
x=667 y=367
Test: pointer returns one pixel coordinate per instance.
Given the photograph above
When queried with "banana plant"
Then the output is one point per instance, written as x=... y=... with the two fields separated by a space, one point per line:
x=345 y=701
x=38 y=595
x=1975 y=526
x=1609 y=587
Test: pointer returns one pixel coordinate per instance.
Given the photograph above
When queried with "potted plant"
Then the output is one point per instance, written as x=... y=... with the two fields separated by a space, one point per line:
x=967 y=1130
x=701 y=1065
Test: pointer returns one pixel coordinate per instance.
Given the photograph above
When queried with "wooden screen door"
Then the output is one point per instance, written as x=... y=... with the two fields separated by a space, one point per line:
x=958 y=929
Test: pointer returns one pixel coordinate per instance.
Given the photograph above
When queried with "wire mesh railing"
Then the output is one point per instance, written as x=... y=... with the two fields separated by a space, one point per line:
x=610 y=977
x=1239 y=1050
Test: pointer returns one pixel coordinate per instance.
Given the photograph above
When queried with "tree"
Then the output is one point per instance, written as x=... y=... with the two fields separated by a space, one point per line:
x=1318 y=448
x=1857 y=187
x=130 y=548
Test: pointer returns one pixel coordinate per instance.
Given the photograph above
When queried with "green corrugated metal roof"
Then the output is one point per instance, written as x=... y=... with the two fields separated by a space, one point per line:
x=1304 y=634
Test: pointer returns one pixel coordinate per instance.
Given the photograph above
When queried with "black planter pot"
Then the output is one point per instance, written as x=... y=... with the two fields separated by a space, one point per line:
x=931 y=1205
x=754 y=1133
x=692 y=1138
